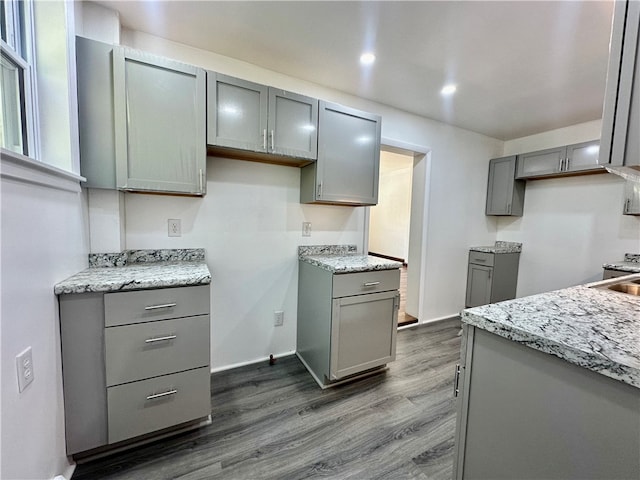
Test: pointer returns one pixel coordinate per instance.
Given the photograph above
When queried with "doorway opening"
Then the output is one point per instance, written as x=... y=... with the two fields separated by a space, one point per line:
x=396 y=225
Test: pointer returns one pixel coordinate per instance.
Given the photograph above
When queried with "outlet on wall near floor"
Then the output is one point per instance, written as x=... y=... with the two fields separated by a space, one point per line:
x=306 y=229
x=175 y=227
x=278 y=318
x=24 y=364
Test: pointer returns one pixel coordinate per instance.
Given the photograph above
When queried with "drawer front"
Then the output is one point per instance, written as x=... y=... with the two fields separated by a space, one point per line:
x=149 y=405
x=143 y=350
x=347 y=284
x=481 y=258
x=610 y=273
x=123 y=308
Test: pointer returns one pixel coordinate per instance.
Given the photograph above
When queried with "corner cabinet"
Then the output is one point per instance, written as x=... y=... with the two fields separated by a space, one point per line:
x=347 y=169
x=505 y=194
x=571 y=159
x=621 y=116
x=134 y=364
x=141 y=120
x=248 y=117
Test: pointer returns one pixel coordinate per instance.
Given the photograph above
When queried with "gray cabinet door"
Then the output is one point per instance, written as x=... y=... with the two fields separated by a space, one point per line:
x=159 y=110
x=236 y=113
x=293 y=124
x=363 y=332
x=348 y=156
x=505 y=194
x=478 y=285
x=582 y=156
x=541 y=163
x=620 y=118
x=631 y=198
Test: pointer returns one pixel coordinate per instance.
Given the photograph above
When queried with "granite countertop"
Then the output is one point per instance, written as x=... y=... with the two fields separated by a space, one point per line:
x=594 y=328
x=500 y=247
x=343 y=259
x=631 y=264
x=138 y=269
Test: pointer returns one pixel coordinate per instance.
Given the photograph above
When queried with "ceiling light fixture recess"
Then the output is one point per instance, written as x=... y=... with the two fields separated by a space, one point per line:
x=367 y=58
x=448 y=89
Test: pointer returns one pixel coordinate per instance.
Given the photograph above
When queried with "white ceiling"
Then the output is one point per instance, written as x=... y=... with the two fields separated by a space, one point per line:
x=521 y=67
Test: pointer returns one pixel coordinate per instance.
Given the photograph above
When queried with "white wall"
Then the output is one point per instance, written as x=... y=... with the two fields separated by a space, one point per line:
x=44 y=239
x=390 y=218
x=242 y=312
x=570 y=226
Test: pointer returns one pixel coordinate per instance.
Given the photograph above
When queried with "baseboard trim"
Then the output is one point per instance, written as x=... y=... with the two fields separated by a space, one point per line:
x=251 y=362
x=440 y=319
x=389 y=257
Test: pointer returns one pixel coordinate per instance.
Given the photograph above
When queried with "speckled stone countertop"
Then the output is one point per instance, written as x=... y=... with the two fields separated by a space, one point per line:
x=631 y=264
x=500 y=247
x=594 y=328
x=138 y=269
x=343 y=259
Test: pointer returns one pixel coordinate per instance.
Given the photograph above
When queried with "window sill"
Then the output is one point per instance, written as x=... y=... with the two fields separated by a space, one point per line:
x=26 y=170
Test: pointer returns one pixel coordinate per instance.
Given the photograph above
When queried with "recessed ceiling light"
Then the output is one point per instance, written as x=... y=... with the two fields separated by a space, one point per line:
x=448 y=89
x=367 y=58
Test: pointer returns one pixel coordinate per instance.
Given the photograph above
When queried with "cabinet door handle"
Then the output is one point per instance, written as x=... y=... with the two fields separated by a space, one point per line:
x=490 y=273
x=264 y=139
x=567 y=162
x=481 y=260
x=201 y=182
x=160 y=339
x=273 y=140
x=156 y=307
x=163 y=394
x=561 y=161
x=319 y=195
x=508 y=208
x=626 y=205
x=456 y=390
x=370 y=284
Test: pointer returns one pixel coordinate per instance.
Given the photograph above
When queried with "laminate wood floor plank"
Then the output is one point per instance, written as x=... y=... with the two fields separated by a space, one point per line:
x=274 y=422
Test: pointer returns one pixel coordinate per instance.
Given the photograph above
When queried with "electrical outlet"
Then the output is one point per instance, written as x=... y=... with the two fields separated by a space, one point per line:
x=24 y=363
x=306 y=229
x=175 y=227
x=278 y=317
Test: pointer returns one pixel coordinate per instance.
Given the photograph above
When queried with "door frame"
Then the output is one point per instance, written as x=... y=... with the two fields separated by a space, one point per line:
x=420 y=154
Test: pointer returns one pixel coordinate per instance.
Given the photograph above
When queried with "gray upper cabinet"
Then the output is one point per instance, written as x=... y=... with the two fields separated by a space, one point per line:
x=621 y=114
x=141 y=120
x=347 y=169
x=565 y=160
x=251 y=117
x=505 y=194
x=159 y=108
x=631 y=198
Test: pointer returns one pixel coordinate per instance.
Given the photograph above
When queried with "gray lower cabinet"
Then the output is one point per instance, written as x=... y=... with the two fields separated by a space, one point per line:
x=608 y=273
x=247 y=116
x=347 y=169
x=522 y=413
x=621 y=115
x=565 y=160
x=505 y=194
x=142 y=120
x=491 y=277
x=134 y=363
x=347 y=323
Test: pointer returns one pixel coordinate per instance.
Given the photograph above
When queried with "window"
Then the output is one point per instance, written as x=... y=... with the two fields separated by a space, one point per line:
x=17 y=117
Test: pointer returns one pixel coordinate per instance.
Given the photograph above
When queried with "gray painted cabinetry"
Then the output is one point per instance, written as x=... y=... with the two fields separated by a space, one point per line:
x=522 y=413
x=348 y=164
x=631 y=198
x=505 y=194
x=142 y=120
x=247 y=116
x=565 y=160
x=491 y=277
x=134 y=363
x=347 y=322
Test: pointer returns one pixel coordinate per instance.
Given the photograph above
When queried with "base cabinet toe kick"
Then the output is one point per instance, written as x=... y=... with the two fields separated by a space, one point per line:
x=347 y=322
x=134 y=364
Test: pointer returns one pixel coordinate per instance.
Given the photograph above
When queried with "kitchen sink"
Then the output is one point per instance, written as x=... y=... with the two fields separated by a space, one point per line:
x=630 y=287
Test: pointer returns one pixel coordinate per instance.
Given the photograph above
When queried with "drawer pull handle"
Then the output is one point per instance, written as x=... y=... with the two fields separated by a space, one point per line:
x=370 y=284
x=480 y=260
x=156 y=307
x=160 y=339
x=163 y=394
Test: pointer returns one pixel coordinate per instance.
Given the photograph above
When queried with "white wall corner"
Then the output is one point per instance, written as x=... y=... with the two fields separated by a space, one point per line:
x=106 y=221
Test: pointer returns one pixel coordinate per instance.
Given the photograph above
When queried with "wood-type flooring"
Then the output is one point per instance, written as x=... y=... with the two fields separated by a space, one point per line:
x=274 y=422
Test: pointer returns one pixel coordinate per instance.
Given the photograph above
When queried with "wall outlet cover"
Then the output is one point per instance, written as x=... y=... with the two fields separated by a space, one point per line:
x=175 y=227
x=278 y=318
x=306 y=229
x=24 y=365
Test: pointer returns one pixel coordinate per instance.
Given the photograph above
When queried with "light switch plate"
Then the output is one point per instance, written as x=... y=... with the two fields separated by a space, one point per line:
x=306 y=229
x=24 y=364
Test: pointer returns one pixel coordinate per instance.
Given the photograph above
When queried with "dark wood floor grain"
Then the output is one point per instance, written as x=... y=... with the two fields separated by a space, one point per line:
x=274 y=422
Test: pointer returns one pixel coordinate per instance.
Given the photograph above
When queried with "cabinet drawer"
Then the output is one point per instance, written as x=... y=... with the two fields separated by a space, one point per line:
x=123 y=308
x=481 y=258
x=347 y=284
x=149 y=405
x=143 y=350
